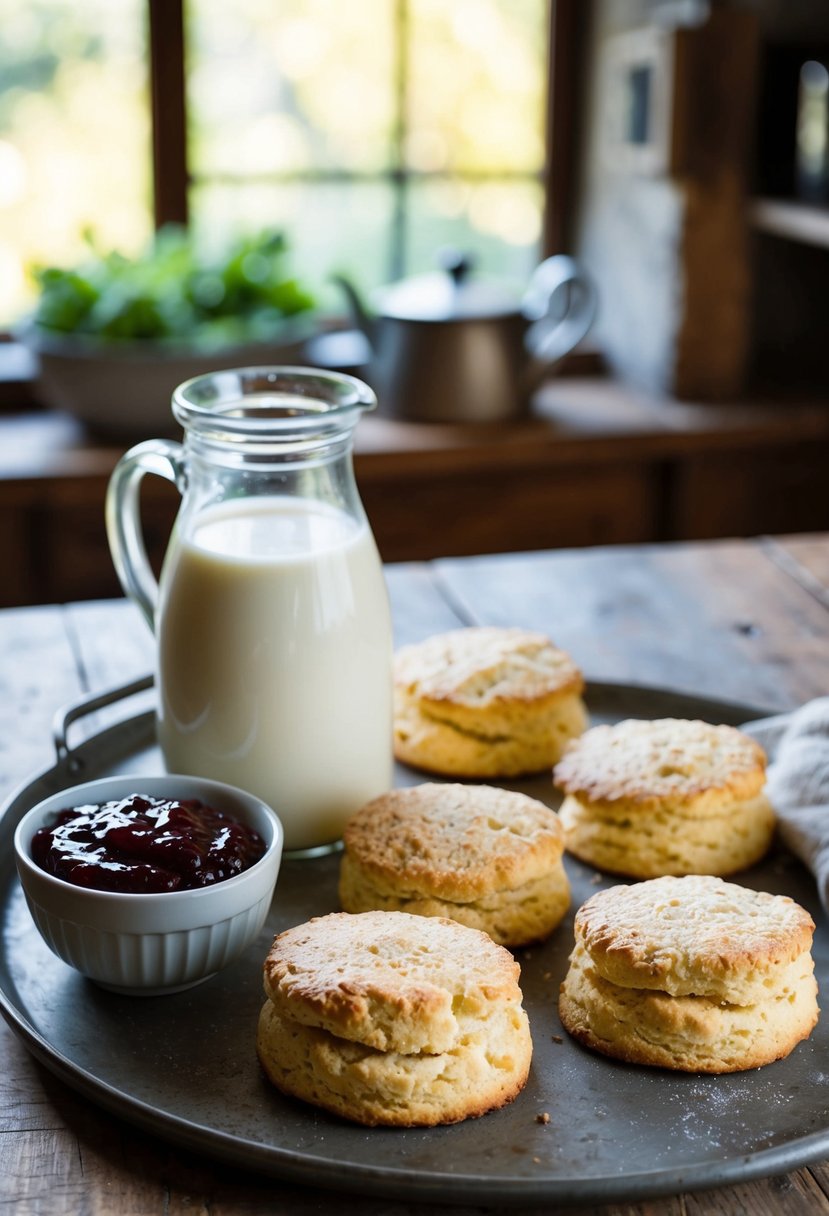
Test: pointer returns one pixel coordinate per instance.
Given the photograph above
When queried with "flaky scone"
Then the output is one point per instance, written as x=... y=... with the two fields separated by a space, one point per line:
x=485 y=702
x=691 y=973
x=488 y=858
x=388 y=1018
x=695 y=936
x=671 y=796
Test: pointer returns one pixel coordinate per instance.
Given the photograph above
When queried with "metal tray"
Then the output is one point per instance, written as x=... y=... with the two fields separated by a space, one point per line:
x=184 y=1066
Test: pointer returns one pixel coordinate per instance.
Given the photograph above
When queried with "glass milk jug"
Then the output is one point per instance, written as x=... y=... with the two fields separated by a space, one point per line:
x=271 y=614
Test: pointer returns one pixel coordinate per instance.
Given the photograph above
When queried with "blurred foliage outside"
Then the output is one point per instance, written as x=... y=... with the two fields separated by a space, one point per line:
x=173 y=294
x=74 y=135
x=293 y=125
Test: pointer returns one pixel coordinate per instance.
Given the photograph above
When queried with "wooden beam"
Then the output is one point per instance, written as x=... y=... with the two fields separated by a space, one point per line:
x=564 y=56
x=169 y=111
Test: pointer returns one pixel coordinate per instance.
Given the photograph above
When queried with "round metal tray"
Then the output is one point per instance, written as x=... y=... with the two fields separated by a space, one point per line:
x=184 y=1066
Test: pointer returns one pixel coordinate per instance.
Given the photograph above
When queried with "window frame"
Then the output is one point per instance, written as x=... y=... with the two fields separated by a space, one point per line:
x=172 y=179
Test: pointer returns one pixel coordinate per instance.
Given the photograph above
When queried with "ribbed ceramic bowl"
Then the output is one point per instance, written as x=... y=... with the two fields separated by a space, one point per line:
x=150 y=944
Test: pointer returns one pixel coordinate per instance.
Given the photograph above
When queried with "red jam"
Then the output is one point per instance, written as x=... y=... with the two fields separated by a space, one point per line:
x=142 y=844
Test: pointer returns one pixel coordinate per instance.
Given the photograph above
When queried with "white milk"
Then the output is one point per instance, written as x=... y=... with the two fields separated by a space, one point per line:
x=275 y=647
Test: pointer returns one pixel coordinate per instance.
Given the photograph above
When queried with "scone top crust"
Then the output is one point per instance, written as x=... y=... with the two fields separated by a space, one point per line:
x=693 y=936
x=644 y=764
x=389 y=980
x=481 y=667
x=454 y=842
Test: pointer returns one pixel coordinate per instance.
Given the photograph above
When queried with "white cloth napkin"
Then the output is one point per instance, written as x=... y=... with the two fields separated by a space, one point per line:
x=797 y=744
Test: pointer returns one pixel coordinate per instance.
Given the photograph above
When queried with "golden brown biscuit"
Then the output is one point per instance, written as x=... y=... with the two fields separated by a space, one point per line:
x=692 y=973
x=387 y=1018
x=488 y=858
x=646 y=798
x=695 y=936
x=485 y=702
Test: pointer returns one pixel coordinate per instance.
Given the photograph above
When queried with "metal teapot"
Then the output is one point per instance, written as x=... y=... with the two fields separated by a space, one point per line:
x=450 y=346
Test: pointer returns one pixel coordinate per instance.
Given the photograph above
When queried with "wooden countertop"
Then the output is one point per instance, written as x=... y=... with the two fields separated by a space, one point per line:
x=572 y=418
x=594 y=462
x=744 y=620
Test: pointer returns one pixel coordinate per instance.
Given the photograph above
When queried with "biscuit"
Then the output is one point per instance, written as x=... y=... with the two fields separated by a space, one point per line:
x=485 y=702
x=692 y=974
x=389 y=1018
x=488 y=858
x=647 y=798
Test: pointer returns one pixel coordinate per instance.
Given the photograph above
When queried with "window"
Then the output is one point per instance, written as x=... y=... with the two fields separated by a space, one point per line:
x=74 y=135
x=374 y=132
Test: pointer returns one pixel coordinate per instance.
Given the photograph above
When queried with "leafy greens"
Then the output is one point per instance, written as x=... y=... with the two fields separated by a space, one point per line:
x=174 y=293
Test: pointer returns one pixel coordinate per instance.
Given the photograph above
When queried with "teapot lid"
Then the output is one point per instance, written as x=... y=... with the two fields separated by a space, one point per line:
x=448 y=295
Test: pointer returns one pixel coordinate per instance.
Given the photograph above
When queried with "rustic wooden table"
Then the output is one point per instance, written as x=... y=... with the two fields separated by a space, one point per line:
x=743 y=620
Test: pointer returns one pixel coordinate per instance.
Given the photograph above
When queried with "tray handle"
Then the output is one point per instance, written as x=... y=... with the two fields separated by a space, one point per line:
x=76 y=710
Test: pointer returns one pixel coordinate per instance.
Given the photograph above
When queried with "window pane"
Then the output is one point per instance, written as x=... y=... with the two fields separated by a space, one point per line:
x=288 y=86
x=309 y=88
x=74 y=135
x=330 y=228
x=476 y=87
x=498 y=223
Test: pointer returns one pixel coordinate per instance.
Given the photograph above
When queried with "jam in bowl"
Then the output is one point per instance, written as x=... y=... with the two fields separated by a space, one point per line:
x=149 y=885
x=141 y=844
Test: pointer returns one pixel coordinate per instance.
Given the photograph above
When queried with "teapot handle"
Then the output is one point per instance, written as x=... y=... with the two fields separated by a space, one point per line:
x=560 y=304
x=123 y=521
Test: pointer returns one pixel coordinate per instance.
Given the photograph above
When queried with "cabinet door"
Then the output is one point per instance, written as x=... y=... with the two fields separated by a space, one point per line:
x=468 y=512
x=69 y=538
x=744 y=494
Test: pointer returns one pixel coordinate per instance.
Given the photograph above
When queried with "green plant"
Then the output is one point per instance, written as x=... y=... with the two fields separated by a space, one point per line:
x=175 y=293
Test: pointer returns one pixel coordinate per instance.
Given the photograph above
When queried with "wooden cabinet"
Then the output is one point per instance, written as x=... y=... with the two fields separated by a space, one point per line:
x=496 y=510
x=596 y=464
x=746 y=494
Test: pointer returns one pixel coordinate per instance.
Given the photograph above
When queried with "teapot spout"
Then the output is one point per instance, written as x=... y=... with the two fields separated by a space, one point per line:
x=360 y=316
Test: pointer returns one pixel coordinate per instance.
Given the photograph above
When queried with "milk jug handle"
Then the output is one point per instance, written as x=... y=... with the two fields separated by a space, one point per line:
x=123 y=516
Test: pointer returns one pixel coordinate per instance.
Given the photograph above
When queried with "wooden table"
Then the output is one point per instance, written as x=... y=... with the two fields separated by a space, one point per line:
x=744 y=620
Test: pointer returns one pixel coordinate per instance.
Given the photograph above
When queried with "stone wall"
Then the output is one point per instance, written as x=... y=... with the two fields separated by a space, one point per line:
x=662 y=223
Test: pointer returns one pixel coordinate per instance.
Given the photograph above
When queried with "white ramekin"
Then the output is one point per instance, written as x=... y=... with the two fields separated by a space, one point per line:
x=156 y=942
